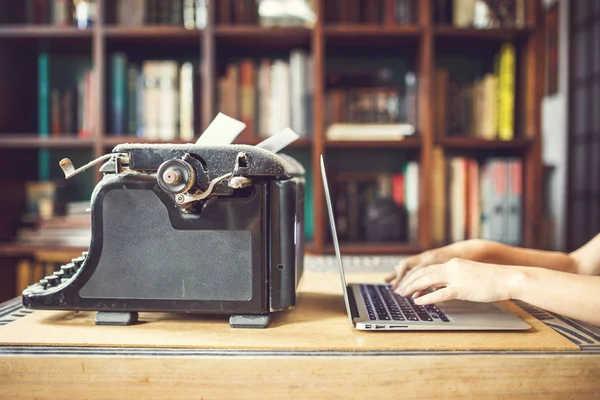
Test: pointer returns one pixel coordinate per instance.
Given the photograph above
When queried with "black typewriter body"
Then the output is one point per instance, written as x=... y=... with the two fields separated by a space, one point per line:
x=187 y=228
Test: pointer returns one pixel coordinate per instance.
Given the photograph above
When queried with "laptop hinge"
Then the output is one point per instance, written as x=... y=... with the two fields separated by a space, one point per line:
x=352 y=302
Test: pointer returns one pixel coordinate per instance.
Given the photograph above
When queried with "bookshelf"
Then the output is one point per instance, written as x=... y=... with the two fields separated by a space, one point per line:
x=421 y=41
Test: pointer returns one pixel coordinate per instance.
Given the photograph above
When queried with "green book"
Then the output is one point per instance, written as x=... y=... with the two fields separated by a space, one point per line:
x=44 y=112
x=118 y=107
x=309 y=229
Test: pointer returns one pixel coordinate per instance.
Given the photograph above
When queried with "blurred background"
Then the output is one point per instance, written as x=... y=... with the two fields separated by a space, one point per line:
x=440 y=120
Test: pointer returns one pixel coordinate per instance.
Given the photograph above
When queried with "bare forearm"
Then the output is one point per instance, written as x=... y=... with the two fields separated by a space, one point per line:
x=498 y=253
x=570 y=295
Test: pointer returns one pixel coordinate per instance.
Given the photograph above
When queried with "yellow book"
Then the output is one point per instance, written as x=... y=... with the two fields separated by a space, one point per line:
x=490 y=120
x=438 y=198
x=24 y=277
x=506 y=92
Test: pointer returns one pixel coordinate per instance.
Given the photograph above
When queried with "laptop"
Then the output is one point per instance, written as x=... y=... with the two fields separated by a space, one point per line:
x=377 y=307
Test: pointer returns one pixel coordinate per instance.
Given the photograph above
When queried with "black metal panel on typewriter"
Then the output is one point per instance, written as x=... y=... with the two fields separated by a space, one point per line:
x=287 y=241
x=145 y=255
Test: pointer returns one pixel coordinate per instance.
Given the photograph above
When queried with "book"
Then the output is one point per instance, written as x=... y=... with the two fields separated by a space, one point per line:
x=365 y=131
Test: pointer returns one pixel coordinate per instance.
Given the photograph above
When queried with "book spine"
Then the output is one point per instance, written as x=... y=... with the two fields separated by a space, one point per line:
x=247 y=97
x=514 y=199
x=89 y=104
x=412 y=200
x=298 y=87
x=55 y=112
x=44 y=113
x=439 y=198
x=177 y=12
x=463 y=13
x=132 y=97
x=485 y=185
x=309 y=228
x=276 y=102
x=119 y=93
x=201 y=14
x=43 y=94
x=80 y=106
x=458 y=200
x=474 y=200
x=61 y=12
x=264 y=87
x=506 y=92
x=168 y=96
x=164 y=12
x=506 y=199
x=152 y=100
x=309 y=95
x=186 y=108
x=140 y=91
x=498 y=200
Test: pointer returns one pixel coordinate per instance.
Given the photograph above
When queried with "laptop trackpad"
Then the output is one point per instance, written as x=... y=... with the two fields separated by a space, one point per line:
x=461 y=307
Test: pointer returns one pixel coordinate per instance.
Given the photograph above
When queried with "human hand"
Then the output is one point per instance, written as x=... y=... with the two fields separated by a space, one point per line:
x=465 y=250
x=460 y=279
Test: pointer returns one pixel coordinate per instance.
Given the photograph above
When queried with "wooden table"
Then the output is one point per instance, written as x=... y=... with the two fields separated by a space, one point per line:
x=292 y=359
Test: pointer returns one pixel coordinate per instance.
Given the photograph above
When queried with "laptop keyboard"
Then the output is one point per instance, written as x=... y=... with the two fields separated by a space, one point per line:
x=384 y=304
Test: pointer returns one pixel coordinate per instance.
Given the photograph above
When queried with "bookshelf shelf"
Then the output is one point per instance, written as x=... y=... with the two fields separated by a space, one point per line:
x=408 y=143
x=374 y=248
x=375 y=31
x=163 y=33
x=499 y=34
x=258 y=38
x=260 y=31
x=43 y=31
x=483 y=144
x=34 y=141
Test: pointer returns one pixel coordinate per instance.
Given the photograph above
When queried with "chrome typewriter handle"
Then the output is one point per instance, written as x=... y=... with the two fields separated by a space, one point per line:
x=69 y=169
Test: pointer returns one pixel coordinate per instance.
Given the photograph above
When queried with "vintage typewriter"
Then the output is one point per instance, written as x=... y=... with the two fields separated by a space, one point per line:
x=210 y=228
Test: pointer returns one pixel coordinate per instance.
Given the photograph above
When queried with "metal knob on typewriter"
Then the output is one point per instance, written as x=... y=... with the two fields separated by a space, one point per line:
x=68 y=269
x=52 y=280
x=77 y=261
x=176 y=176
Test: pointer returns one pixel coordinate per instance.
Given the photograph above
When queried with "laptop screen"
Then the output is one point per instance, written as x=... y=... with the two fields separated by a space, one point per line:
x=334 y=236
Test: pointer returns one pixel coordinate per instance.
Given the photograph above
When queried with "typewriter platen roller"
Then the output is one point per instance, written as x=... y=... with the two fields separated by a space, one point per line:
x=203 y=228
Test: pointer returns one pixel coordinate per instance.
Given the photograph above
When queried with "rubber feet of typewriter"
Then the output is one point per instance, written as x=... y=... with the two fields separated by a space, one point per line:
x=117 y=318
x=250 y=321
